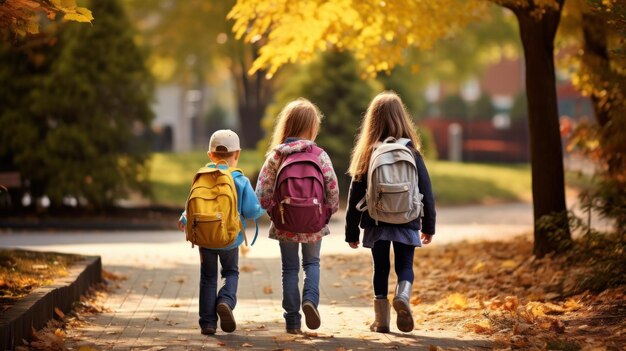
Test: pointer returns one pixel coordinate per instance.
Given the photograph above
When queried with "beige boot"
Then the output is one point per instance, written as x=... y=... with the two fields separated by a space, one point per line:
x=403 y=307
x=381 y=323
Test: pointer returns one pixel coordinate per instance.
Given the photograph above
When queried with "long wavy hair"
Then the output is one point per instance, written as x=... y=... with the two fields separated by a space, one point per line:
x=386 y=116
x=299 y=118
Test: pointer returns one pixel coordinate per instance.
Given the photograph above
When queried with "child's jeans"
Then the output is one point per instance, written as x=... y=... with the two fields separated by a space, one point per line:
x=403 y=255
x=291 y=268
x=229 y=260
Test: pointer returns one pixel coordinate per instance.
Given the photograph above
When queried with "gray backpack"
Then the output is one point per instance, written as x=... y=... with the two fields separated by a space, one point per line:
x=392 y=194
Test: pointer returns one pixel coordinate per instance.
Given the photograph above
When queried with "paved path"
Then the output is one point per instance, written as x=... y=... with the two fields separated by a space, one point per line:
x=156 y=307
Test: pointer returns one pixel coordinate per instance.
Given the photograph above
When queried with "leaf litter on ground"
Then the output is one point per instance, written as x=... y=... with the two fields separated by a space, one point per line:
x=501 y=291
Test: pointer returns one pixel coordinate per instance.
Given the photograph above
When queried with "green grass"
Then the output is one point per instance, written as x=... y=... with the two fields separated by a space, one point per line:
x=171 y=173
x=471 y=183
x=453 y=183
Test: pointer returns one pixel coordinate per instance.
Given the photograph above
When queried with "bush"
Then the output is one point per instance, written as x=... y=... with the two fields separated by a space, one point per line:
x=427 y=141
x=483 y=108
x=519 y=110
x=453 y=106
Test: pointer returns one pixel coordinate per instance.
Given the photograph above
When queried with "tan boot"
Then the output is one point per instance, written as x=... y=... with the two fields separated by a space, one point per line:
x=403 y=307
x=381 y=322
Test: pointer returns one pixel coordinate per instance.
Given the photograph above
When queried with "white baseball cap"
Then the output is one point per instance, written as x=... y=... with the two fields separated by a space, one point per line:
x=225 y=138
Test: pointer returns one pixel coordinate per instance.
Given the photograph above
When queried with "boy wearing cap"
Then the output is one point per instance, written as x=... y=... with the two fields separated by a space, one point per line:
x=224 y=145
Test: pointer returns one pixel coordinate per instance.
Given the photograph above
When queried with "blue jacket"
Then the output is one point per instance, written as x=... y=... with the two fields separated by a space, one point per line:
x=248 y=205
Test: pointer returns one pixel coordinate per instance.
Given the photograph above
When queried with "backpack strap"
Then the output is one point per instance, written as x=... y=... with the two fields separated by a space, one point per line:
x=256 y=233
x=362 y=205
x=404 y=141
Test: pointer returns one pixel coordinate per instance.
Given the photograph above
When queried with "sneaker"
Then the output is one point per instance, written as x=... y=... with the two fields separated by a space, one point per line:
x=311 y=315
x=293 y=331
x=208 y=331
x=227 y=320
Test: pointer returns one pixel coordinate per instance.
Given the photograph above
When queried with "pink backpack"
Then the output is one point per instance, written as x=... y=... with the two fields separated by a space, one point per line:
x=299 y=195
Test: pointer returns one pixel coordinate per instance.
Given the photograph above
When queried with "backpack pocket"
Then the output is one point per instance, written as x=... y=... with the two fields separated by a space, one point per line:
x=300 y=215
x=393 y=198
x=208 y=231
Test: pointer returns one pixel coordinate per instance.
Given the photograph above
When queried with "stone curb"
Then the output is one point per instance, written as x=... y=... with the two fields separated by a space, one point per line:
x=36 y=309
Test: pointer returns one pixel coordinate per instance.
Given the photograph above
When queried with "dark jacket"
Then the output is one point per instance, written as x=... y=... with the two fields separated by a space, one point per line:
x=354 y=218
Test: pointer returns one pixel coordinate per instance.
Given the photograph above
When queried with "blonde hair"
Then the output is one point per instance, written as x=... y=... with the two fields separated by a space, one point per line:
x=297 y=119
x=386 y=116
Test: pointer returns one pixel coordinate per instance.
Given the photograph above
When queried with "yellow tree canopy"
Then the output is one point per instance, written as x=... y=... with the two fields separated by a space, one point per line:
x=376 y=31
x=22 y=17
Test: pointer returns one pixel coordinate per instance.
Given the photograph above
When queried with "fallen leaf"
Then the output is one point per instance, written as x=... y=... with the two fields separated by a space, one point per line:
x=247 y=268
x=60 y=333
x=267 y=290
x=482 y=327
x=59 y=312
x=457 y=301
x=508 y=264
x=175 y=305
x=106 y=275
x=511 y=303
x=87 y=348
x=479 y=267
x=572 y=305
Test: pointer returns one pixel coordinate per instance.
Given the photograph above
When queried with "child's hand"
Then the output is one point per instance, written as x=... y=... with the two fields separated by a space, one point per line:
x=181 y=226
x=426 y=238
x=354 y=245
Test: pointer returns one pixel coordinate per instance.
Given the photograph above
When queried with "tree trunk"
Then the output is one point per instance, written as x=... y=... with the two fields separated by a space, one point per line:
x=253 y=95
x=546 y=152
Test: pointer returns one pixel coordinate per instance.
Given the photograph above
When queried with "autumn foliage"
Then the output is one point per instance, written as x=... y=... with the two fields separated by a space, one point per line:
x=501 y=292
x=22 y=17
x=377 y=32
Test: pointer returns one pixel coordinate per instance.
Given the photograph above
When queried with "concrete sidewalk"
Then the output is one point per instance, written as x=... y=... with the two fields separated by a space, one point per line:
x=156 y=308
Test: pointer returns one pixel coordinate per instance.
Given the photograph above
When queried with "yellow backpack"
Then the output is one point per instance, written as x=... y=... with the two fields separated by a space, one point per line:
x=212 y=218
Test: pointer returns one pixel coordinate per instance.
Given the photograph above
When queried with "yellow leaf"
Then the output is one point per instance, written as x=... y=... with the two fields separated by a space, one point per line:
x=457 y=301
x=59 y=333
x=76 y=17
x=509 y=264
x=85 y=12
x=479 y=267
x=87 y=348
